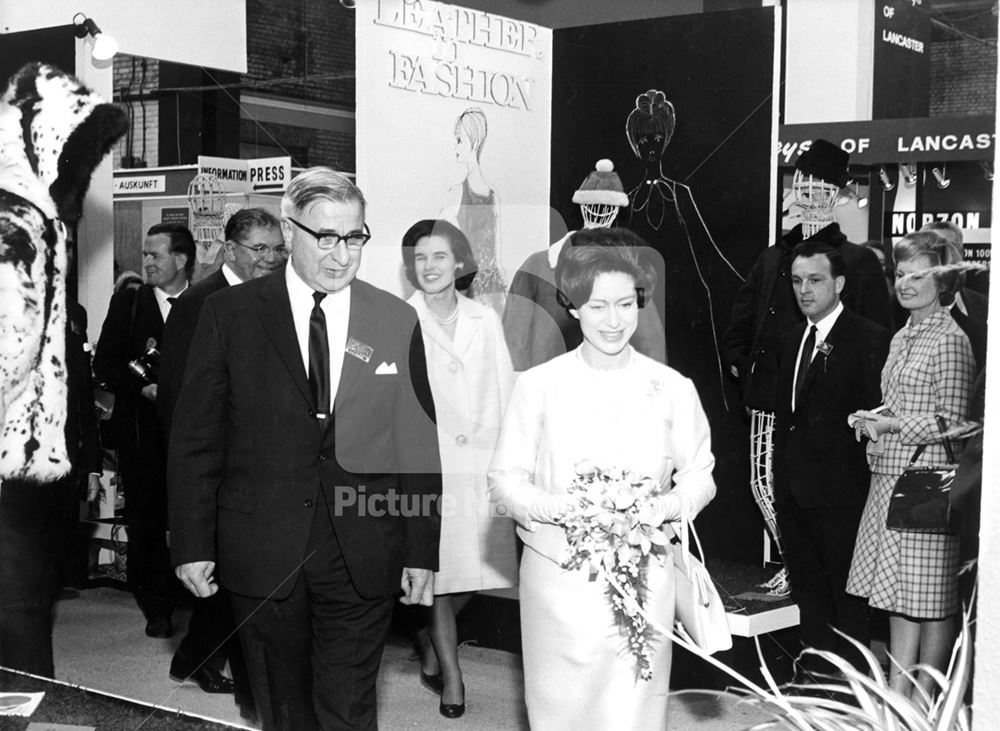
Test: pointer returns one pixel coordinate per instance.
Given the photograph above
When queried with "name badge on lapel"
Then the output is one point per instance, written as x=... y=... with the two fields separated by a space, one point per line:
x=359 y=350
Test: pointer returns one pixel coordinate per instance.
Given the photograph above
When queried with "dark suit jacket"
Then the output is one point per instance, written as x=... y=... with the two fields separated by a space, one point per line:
x=248 y=457
x=817 y=461
x=176 y=343
x=123 y=339
x=83 y=444
x=765 y=309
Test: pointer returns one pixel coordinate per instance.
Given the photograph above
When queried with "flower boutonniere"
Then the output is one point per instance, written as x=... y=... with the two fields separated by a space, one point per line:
x=825 y=349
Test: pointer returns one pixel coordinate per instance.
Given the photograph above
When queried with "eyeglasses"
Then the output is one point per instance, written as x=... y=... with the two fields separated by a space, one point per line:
x=328 y=240
x=261 y=251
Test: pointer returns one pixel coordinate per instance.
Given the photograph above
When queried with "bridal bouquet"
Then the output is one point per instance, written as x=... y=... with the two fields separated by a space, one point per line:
x=612 y=529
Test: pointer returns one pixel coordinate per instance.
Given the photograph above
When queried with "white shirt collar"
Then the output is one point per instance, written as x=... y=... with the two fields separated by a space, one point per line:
x=824 y=326
x=232 y=278
x=555 y=248
x=337 y=309
x=161 y=300
x=960 y=304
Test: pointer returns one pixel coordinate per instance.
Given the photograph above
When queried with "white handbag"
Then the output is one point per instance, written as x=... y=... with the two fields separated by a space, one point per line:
x=698 y=608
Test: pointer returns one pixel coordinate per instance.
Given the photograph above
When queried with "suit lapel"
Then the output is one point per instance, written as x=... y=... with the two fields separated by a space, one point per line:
x=469 y=322
x=276 y=316
x=151 y=307
x=823 y=361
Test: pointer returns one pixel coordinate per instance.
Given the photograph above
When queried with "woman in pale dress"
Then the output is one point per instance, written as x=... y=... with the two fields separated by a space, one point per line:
x=929 y=372
x=471 y=378
x=607 y=404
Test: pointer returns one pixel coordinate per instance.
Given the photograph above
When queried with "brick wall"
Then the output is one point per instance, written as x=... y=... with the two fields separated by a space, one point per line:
x=309 y=39
x=305 y=146
x=131 y=79
x=963 y=78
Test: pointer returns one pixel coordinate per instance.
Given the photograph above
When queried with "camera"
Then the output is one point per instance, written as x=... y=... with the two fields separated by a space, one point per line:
x=147 y=366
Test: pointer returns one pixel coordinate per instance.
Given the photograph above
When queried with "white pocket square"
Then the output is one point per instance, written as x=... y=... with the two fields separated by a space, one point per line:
x=386 y=369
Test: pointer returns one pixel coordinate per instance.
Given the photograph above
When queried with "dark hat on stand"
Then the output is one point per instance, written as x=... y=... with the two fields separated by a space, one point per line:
x=826 y=161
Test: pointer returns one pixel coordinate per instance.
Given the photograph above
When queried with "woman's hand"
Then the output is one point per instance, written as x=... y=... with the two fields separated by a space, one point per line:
x=550 y=508
x=873 y=425
x=660 y=509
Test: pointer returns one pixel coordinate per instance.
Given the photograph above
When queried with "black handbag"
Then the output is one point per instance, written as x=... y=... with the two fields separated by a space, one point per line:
x=920 y=501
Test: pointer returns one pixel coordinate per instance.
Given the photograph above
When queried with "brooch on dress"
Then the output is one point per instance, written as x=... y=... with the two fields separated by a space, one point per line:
x=655 y=387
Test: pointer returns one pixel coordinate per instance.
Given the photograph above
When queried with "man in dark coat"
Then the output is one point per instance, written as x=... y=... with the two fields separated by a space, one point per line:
x=133 y=327
x=253 y=248
x=765 y=308
x=301 y=466
x=821 y=474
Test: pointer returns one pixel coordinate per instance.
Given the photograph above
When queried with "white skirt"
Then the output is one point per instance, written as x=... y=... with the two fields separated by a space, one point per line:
x=577 y=673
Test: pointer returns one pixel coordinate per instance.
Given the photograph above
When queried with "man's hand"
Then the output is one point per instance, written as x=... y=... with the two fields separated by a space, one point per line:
x=418 y=587
x=149 y=392
x=197 y=577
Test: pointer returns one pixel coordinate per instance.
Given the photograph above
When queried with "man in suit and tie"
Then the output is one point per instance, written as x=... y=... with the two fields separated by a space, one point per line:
x=253 y=247
x=133 y=326
x=301 y=465
x=828 y=367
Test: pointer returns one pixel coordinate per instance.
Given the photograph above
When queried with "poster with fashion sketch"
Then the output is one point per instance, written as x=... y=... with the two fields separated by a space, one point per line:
x=453 y=122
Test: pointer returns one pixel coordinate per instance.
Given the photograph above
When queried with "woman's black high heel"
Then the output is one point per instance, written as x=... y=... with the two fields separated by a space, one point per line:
x=453 y=710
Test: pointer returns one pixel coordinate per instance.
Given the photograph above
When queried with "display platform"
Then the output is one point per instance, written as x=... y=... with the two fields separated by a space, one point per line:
x=751 y=612
x=73 y=706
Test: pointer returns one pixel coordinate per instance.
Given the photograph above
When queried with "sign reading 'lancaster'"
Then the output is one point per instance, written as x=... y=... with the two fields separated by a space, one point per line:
x=442 y=70
x=933 y=139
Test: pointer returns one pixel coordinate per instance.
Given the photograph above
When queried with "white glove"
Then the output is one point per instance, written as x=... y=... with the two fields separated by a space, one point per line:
x=661 y=509
x=550 y=508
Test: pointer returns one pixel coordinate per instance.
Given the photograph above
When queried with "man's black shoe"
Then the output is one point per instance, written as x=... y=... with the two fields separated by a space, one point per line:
x=209 y=680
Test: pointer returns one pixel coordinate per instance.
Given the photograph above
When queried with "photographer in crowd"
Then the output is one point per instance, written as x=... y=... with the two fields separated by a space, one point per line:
x=127 y=362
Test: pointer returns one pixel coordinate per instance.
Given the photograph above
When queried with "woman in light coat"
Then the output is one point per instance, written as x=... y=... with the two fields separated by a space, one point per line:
x=471 y=377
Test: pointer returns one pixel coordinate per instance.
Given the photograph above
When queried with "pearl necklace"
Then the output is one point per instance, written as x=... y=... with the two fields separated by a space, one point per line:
x=444 y=321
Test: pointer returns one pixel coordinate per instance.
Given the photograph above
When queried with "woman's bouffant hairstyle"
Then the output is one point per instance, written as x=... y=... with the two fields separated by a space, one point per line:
x=460 y=249
x=473 y=123
x=939 y=252
x=595 y=251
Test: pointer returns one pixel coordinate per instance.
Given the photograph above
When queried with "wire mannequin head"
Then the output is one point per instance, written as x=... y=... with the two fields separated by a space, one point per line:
x=820 y=173
x=600 y=196
x=650 y=125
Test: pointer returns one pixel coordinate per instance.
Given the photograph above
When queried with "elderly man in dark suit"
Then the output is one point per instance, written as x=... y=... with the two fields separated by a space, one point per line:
x=828 y=367
x=254 y=247
x=133 y=326
x=301 y=465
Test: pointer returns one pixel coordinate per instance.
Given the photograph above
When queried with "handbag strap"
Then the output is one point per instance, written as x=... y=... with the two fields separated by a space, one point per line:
x=943 y=428
x=946 y=443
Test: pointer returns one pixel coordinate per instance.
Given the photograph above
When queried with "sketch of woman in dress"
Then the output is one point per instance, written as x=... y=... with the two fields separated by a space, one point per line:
x=473 y=206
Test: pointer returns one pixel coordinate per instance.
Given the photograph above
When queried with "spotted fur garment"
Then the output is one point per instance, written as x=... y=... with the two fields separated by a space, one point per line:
x=53 y=133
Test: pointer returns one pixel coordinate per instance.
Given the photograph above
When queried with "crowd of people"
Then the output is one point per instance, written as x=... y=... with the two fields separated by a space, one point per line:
x=317 y=447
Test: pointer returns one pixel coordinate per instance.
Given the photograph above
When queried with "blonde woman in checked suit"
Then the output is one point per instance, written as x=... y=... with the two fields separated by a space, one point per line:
x=929 y=371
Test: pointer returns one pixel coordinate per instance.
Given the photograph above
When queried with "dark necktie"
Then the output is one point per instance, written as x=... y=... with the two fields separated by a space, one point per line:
x=319 y=357
x=171 y=300
x=804 y=360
